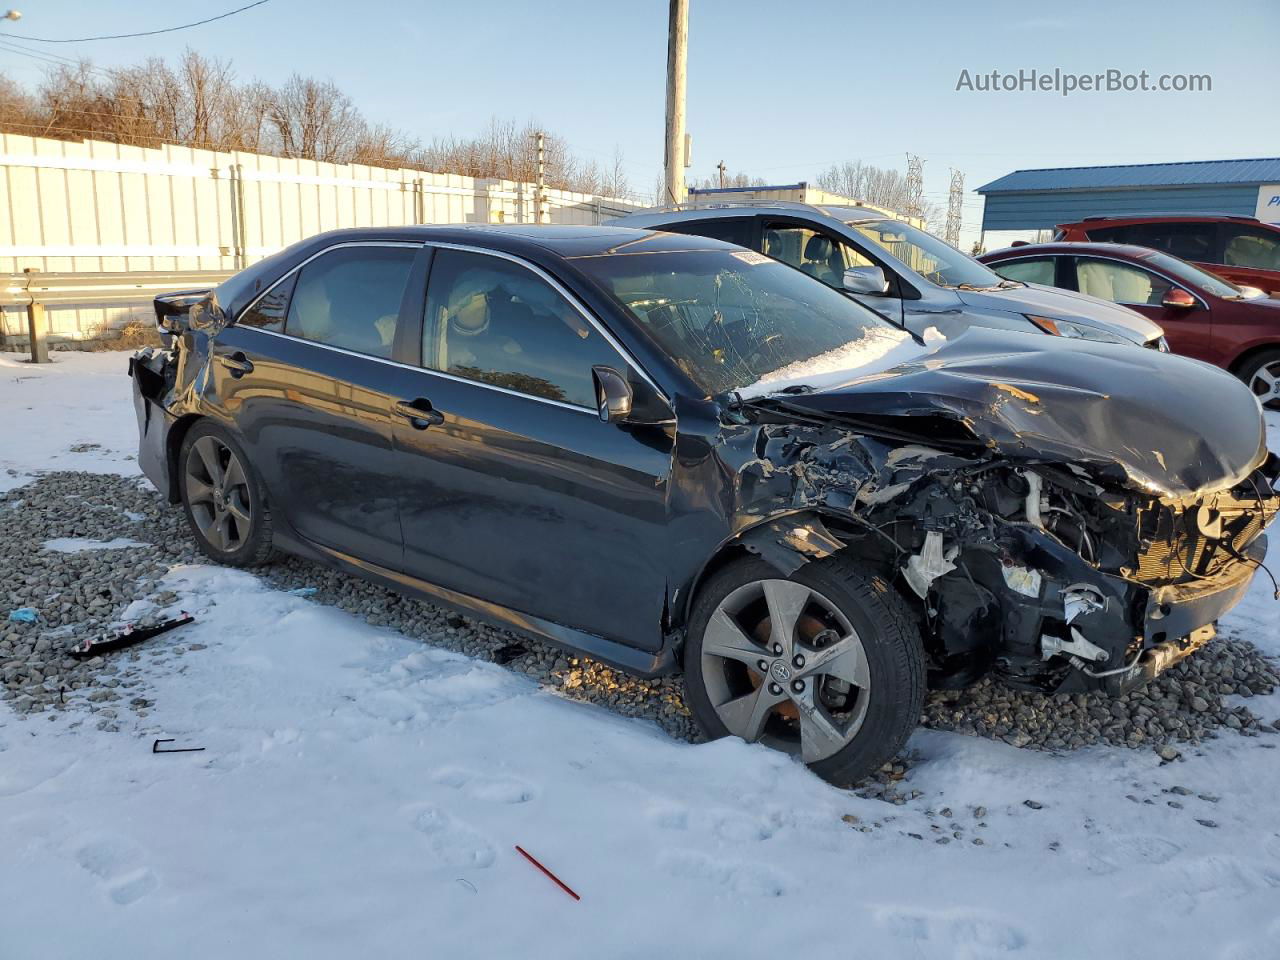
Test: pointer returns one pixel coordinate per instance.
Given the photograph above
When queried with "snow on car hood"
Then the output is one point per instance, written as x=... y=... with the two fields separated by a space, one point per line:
x=1167 y=425
x=879 y=348
x=1064 y=304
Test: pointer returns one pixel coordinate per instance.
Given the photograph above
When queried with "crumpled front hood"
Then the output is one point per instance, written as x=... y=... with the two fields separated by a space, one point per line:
x=1163 y=424
x=1063 y=304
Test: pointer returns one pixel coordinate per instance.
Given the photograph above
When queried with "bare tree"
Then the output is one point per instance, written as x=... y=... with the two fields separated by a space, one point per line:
x=198 y=102
x=879 y=186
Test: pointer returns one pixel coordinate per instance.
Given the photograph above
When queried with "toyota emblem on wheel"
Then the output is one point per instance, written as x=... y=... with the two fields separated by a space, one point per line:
x=781 y=672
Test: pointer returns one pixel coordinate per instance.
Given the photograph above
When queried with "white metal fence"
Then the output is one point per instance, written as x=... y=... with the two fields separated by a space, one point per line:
x=100 y=207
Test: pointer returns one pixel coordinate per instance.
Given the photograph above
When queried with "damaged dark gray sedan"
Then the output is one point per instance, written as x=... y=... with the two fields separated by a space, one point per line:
x=674 y=454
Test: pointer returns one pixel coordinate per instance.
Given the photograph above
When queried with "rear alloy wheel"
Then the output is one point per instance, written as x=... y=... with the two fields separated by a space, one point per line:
x=1262 y=374
x=224 y=504
x=826 y=664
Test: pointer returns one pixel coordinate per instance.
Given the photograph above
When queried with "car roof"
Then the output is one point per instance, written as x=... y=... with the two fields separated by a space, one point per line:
x=843 y=214
x=1163 y=218
x=564 y=240
x=1124 y=250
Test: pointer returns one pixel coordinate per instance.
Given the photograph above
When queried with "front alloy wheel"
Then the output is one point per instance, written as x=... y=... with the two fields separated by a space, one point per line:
x=782 y=664
x=826 y=664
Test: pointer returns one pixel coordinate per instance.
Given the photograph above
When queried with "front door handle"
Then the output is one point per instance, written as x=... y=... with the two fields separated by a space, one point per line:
x=419 y=413
x=237 y=363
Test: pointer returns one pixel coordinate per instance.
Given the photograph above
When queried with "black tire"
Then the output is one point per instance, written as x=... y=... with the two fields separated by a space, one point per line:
x=1250 y=373
x=890 y=638
x=253 y=540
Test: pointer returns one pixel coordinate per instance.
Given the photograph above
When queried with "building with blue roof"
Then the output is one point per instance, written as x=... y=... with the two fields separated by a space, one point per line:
x=1042 y=199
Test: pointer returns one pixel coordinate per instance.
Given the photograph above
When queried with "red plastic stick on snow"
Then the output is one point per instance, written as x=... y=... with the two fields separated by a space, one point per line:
x=558 y=882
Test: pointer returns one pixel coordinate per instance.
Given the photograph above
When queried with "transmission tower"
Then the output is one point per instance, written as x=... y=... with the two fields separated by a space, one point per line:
x=954 y=203
x=915 y=186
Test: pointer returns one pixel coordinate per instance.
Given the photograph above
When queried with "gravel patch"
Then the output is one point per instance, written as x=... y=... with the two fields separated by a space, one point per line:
x=84 y=593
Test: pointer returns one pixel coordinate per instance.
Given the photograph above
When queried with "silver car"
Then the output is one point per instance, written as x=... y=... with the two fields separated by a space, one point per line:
x=908 y=276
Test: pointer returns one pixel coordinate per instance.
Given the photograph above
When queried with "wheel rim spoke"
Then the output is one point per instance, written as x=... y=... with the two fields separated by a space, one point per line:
x=235 y=474
x=819 y=735
x=844 y=659
x=215 y=532
x=745 y=716
x=786 y=600
x=239 y=511
x=210 y=455
x=198 y=491
x=724 y=638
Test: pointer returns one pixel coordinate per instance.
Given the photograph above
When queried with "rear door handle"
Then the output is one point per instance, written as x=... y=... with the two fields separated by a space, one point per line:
x=419 y=413
x=237 y=363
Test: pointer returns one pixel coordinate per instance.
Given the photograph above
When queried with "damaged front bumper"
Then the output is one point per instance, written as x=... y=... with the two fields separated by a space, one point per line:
x=1067 y=624
x=1032 y=570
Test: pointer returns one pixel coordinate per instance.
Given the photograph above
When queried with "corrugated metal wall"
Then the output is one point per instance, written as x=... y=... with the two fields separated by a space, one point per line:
x=102 y=207
x=1045 y=209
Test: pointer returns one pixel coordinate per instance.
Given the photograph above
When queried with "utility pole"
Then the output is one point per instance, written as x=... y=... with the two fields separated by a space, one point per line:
x=954 y=203
x=540 y=188
x=722 y=168
x=677 y=58
x=915 y=186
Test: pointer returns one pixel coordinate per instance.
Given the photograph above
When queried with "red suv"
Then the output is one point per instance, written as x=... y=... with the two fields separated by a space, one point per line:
x=1242 y=249
x=1203 y=315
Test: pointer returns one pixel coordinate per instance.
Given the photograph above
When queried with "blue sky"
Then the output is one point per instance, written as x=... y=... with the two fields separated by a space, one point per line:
x=776 y=90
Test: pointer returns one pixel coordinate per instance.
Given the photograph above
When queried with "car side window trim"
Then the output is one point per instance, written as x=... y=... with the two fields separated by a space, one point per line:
x=623 y=353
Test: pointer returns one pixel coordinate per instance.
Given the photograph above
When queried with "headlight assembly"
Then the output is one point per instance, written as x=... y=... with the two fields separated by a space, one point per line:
x=1076 y=331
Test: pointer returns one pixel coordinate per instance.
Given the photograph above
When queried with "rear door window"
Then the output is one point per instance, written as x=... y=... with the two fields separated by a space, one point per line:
x=1250 y=247
x=1120 y=282
x=729 y=229
x=350 y=298
x=269 y=311
x=1037 y=270
x=818 y=254
x=1190 y=241
x=496 y=322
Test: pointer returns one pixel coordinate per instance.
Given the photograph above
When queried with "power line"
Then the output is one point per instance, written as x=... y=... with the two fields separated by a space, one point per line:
x=148 y=33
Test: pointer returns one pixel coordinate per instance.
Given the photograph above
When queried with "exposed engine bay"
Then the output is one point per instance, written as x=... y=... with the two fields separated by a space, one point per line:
x=1051 y=573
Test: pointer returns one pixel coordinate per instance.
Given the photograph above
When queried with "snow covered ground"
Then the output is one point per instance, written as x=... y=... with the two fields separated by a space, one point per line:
x=72 y=414
x=360 y=795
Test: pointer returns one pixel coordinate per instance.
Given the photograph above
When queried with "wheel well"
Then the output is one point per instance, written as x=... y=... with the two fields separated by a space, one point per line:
x=1240 y=362
x=173 y=446
x=736 y=548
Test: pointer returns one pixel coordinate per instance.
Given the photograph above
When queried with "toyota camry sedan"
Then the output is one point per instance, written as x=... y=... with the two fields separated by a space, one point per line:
x=674 y=454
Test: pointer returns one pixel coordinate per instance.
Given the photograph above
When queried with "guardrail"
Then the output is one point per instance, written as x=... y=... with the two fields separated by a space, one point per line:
x=35 y=291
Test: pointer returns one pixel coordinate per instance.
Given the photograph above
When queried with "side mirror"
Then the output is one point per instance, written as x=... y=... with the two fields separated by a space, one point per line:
x=866 y=280
x=613 y=394
x=1178 y=299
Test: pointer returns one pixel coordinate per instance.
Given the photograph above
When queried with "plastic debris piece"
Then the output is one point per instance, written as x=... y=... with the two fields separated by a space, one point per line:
x=127 y=636
x=302 y=592
x=24 y=615
x=556 y=880
x=155 y=747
